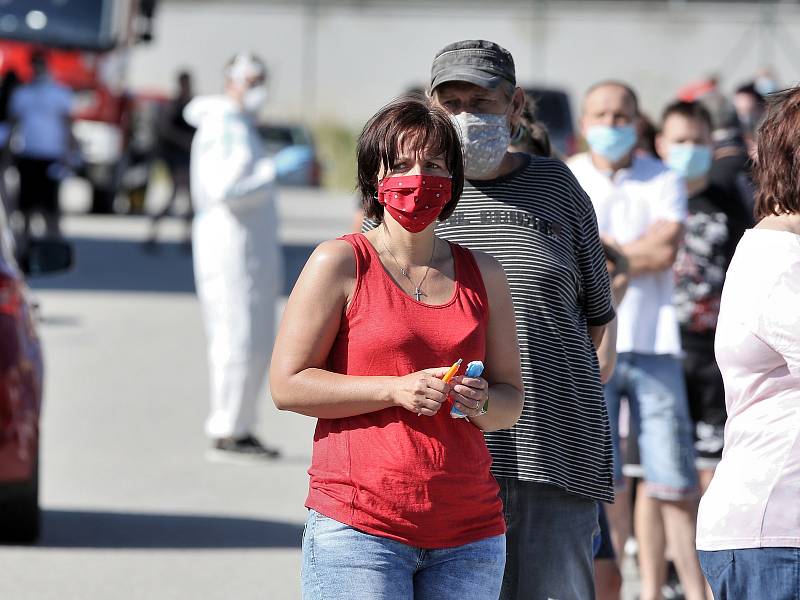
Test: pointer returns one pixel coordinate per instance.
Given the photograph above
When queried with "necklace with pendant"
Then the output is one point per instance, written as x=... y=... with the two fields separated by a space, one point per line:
x=418 y=293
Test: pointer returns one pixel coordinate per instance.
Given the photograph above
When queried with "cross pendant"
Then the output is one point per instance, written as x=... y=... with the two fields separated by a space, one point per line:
x=418 y=294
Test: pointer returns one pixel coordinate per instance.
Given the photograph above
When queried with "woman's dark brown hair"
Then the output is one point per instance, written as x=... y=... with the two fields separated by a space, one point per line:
x=416 y=123
x=776 y=171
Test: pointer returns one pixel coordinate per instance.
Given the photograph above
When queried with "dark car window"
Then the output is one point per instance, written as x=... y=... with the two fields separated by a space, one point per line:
x=276 y=135
x=279 y=136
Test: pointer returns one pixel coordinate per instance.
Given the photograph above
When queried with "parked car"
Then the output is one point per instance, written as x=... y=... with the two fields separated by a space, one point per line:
x=292 y=147
x=553 y=109
x=21 y=374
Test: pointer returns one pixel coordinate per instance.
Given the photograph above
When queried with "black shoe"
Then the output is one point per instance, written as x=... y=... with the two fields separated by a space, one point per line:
x=247 y=449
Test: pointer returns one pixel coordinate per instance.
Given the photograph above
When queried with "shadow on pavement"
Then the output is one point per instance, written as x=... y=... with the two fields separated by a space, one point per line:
x=126 y=266
x=89 y=529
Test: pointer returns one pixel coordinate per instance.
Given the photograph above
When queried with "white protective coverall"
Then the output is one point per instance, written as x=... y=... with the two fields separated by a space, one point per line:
x=238 y=266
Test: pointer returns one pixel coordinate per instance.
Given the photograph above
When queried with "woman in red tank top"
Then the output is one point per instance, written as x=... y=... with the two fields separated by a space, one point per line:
x=401 y=500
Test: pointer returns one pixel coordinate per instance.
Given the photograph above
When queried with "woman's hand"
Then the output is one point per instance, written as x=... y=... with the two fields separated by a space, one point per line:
x=422 y=392
x=470 y=394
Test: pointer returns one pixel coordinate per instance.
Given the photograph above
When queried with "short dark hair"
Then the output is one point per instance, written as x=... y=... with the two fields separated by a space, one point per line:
x=412 y=119
x=615 y=83
x=750 y=90
x=690 y=110
x=776 y=169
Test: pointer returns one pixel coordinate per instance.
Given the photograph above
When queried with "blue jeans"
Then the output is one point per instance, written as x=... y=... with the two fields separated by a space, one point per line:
x=763 y=573
x=549 y=542
x=342 y=563
x=656 y=392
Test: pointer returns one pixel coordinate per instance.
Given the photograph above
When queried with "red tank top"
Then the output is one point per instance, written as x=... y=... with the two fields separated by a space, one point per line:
x=423 y=481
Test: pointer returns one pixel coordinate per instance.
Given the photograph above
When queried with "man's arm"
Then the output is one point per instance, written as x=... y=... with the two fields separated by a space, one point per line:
x=607 y=352
x=596 y=332
x=68 y=109
x=654 y=251
x=226 y=169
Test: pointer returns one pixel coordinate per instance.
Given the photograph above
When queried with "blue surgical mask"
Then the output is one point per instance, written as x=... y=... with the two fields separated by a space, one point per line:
x=690 y=161
x=765 y=85
x=611 y=143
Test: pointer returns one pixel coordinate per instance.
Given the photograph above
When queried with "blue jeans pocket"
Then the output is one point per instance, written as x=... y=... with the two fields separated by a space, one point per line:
x=715 y=563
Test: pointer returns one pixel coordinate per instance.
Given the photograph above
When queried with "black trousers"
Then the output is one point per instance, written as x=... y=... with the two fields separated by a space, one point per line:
x=37 y=190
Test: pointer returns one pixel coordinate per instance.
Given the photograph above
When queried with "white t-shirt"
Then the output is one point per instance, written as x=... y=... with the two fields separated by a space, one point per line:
x=754 y=499
x=627 y=204
x=42 y=108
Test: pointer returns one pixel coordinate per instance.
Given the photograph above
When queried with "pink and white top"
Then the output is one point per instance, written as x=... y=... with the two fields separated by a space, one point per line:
x=754 y=499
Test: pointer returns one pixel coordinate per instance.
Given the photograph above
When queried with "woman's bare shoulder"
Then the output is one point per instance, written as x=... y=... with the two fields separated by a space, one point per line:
x=334 y=257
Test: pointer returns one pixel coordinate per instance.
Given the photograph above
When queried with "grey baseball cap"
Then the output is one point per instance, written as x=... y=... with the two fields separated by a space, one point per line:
x=475 y=61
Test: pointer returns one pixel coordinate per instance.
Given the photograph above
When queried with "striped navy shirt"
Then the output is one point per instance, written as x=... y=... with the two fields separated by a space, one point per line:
x=541 y=226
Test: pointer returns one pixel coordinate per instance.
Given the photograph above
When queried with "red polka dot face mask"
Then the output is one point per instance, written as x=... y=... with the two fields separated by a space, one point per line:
x=414 y=200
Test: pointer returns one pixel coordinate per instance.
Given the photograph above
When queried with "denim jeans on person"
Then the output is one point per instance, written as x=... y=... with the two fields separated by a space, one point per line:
x=758 y=573
x=549 y=542
x=342 y=563
x=656 y=393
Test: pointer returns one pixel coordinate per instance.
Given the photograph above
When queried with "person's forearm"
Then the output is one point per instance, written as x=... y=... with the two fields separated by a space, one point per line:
x=72 y=141
x=607 y=359
x=596 y=333
x=326 y=395
x=654 y=251
x=258 y=180
x=504 y=408
x=607 y=353
x=645 y=256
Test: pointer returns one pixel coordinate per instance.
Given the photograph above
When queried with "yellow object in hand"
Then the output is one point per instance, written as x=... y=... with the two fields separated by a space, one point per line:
x=452 y=371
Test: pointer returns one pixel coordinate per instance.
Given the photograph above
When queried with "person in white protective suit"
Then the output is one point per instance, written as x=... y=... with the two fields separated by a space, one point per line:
x=237 y=256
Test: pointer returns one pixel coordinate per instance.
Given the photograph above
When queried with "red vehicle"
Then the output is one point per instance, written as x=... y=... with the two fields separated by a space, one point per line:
x=21 y=385
x=87 y=43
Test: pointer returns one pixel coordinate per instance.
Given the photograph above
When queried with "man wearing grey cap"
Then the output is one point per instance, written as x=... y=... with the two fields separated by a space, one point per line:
x=531 y=214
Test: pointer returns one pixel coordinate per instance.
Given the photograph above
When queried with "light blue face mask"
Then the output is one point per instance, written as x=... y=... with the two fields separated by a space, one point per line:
x=690 y=161
x=765 y=85
x=611 y=143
